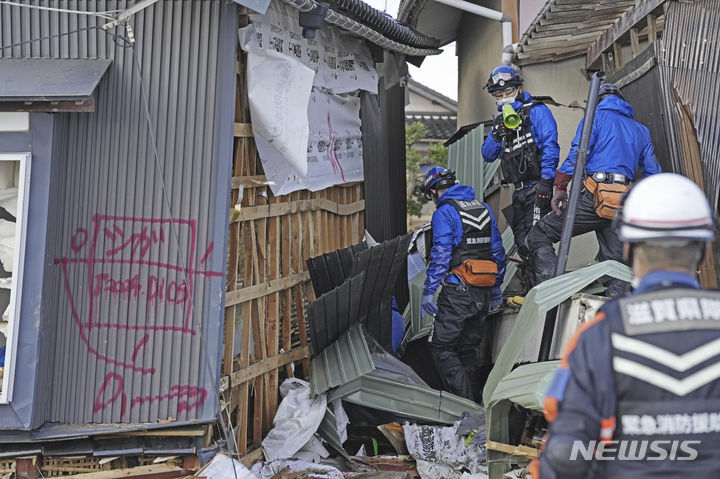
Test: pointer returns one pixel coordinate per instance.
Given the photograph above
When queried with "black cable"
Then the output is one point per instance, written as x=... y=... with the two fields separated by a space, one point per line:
x=58 y=35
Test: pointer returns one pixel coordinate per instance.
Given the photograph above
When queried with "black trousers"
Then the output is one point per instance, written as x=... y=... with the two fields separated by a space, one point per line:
x=458 y=340
x=548 y=230
x=523 y=202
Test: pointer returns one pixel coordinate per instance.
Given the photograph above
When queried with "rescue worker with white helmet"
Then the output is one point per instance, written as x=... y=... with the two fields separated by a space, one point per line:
x=638 y=384
x=529 y=154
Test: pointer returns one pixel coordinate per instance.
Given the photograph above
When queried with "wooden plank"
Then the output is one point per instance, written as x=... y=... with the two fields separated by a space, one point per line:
x=524 y=451
x=634 y=42
x=252 y=457
x=248 y=181
x=251 y=372
x=273 y=311
x=262 y=290
x=652 y=27
x=634 y=17
x=617 y=55
x=259 y=389
x=510 y=8
x=153 y=471
x=243 y=130
x=250 y=213
x=289 y=241
x=183 y=432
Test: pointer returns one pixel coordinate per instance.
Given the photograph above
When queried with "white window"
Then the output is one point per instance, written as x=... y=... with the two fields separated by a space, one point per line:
x=14 y=189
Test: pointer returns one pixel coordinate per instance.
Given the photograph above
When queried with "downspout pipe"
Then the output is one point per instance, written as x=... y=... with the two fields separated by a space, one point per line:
x=508 y=48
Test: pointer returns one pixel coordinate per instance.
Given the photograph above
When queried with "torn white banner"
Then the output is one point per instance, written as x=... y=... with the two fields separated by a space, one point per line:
x=278 y=88
x=334 y=148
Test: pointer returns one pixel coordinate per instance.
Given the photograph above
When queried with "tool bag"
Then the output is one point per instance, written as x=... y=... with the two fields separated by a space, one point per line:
x=477 y=272
x=607 y=197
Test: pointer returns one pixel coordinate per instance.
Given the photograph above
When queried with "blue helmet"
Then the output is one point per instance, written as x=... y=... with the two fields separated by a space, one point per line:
x=503 y=77
x=436 y=179
x=607 y=89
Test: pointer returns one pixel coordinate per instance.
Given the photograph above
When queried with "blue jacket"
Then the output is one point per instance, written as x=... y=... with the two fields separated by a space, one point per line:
x=544 y=132
x=447 y=229
x=618 y=144
x=582 y=403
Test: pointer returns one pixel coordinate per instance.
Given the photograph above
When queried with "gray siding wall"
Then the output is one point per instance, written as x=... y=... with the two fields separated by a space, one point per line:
x=133 y=296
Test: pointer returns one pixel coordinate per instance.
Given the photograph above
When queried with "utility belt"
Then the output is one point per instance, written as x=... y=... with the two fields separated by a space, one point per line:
x=608 y=190
x=521 y=184
x=476 y=272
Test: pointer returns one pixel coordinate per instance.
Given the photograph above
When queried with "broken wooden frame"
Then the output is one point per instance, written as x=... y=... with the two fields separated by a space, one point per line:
x=268 y=288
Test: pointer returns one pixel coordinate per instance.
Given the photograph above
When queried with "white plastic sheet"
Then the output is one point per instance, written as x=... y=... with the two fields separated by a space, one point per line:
x=317 y=471
x=298 y=417
x=440 y=452
x=221 y=467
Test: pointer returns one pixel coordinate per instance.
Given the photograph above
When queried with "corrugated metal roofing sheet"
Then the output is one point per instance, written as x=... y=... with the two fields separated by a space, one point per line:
x=526 y=385
x=405 y=399
x=50 y=79
x=335 y=312
x=346 y=359
x=540 y=300
x=330 y=270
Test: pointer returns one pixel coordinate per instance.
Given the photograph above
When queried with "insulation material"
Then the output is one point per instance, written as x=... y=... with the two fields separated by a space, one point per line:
x=440 y=452
x=338 y=66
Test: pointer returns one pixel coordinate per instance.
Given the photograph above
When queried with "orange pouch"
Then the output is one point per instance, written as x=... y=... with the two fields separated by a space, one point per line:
x=477 y=272
x=607 y=199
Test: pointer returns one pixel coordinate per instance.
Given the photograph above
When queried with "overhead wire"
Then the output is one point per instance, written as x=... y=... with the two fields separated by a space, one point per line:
x=105 y=14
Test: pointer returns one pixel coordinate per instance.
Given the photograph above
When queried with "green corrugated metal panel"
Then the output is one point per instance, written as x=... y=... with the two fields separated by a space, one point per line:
x=490 y=170
x=508 y=241
x=346 y=359
x=465 y=157
x=526 y=385
x=540 y=300
x=328 y=431
x=405 y=399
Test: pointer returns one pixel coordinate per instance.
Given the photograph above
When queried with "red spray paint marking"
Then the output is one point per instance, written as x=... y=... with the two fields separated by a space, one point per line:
x=207 y=253
x=100 y=405
x=331 y=150
x=139 y=346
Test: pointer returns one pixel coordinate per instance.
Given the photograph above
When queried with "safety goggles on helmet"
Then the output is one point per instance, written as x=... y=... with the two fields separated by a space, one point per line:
x=501 y=78
x=436 y=179
x=607 y=89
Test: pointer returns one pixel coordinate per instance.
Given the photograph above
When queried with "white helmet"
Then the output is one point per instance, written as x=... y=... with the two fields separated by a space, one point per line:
x=666 y=206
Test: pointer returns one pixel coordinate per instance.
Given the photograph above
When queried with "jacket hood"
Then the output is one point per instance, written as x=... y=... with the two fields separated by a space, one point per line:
x=517 y=104
x=615 y=103
x=457 y=192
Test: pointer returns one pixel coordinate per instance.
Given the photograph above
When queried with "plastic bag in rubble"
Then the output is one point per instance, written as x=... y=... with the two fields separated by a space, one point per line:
x=319 y=471
x=296 y=420
x=445 y=452
x=221 y=467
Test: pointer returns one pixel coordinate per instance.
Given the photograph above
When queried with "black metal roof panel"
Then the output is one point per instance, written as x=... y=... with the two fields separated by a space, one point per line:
x=437 y=127
x=330 y=270
x=50 y=79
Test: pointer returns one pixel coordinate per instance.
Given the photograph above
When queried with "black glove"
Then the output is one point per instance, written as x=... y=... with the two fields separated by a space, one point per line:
x=543 y=194
x=499 y=130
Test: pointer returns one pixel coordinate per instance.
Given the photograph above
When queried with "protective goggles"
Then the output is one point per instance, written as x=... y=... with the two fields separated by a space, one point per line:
x=504 y=92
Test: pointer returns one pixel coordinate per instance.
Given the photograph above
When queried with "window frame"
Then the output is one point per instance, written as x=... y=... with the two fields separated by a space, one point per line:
x=18 y=261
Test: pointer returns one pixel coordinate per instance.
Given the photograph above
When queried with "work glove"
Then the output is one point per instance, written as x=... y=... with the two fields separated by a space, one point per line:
x=497 y=298
x=559 y=201
x=428 y=305
x=560 y=193
x=499 y=130
x=543 y=193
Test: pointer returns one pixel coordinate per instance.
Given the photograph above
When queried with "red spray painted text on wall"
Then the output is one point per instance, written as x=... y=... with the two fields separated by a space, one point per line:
x=140 y=275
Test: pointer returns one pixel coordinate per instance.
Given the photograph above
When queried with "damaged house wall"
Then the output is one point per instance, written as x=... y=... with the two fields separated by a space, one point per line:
x=131 y=310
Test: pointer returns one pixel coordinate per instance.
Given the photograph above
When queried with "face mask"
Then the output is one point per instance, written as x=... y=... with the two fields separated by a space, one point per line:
x=503 y=101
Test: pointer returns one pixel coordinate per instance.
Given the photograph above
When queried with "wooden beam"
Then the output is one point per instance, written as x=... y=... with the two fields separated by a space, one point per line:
x=652 y=27
x=243 y=130
x=524 y=451
x=184 y=432
x=634 y=42
x=510 y=8
x=252 y=457
x=631 y=18
x=263 y=289
x=315 y=204
x=156 y=471
x=265 y=366
x=617 y=55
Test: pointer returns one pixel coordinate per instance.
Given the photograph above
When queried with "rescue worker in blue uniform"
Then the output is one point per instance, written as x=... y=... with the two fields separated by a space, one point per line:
x=468 y=259
x=618 y=146
x=529 y=153
x=645 y=368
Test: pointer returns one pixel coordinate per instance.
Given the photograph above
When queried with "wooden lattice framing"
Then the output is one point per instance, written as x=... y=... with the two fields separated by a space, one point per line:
x=268 y=285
